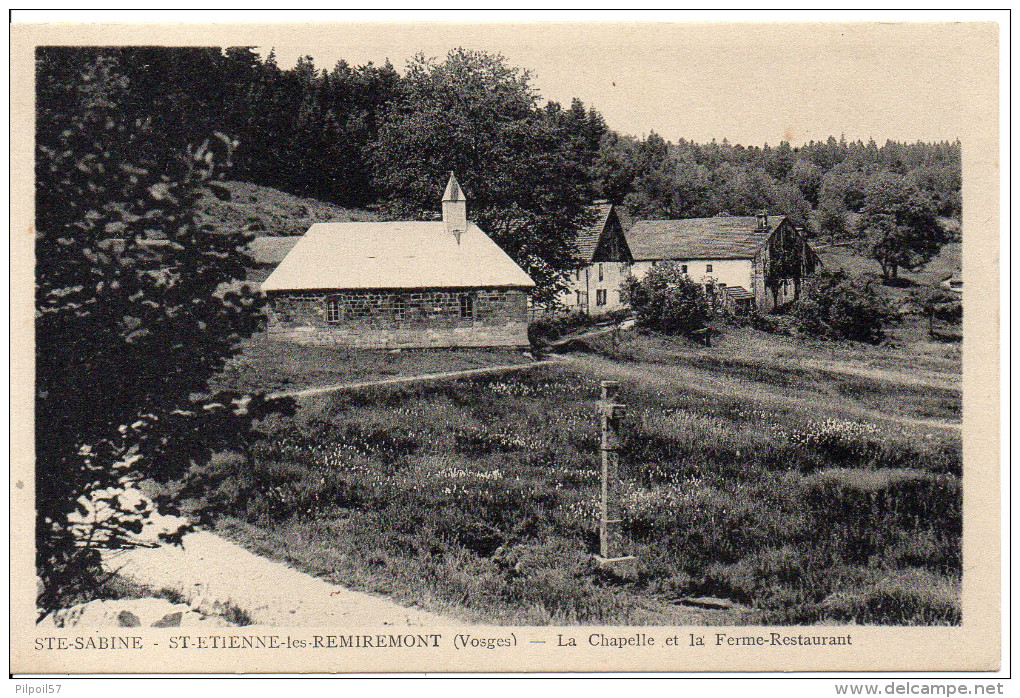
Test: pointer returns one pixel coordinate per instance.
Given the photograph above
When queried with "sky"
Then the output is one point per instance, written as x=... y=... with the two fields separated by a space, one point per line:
x=751 y=83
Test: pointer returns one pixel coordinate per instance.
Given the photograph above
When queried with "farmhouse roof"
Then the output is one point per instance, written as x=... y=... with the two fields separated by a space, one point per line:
x=400 y=254
x=721 y=237
x=588 y=239
x=271 y=250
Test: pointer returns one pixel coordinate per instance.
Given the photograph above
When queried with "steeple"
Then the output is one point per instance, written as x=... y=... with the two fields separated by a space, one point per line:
x=454 y=208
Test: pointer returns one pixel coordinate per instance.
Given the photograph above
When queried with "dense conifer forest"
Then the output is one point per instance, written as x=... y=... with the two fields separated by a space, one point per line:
x=355 y=136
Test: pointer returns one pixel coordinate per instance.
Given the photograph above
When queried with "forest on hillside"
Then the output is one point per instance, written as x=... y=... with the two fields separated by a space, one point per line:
x=371 y=136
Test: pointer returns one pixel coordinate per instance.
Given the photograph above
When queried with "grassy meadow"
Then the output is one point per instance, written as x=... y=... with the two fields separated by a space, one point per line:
x=800 y=485
x=932 y=273
x=270 y=365
x=263 y=210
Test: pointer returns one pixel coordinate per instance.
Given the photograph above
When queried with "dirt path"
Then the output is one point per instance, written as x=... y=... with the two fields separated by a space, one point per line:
x=208 y=571
x=425 y=377
x=706 y=382
x=916 y=377
x=449 y=375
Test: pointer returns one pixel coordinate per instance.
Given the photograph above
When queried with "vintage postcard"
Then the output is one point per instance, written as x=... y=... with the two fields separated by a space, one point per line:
x=506 y=347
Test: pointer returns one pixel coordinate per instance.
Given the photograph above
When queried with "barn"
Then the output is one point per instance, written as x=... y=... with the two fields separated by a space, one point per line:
x=602 y=263
x=755 y=261
x=400 y=284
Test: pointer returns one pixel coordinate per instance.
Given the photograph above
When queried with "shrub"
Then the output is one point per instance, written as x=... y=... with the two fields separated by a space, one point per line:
x=839 y=306
x=666 y=300
x=553 y=326
x=549 y=328
x=775 y=323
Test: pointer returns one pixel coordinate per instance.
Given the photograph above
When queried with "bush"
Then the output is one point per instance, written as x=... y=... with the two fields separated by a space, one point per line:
x=775 y=323
x=666 y=300
x=554 y=326
x=832 y=220
x=549 y=328
x=839 y=306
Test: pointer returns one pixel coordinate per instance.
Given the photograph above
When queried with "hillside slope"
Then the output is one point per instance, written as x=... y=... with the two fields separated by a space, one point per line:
x=270 y=212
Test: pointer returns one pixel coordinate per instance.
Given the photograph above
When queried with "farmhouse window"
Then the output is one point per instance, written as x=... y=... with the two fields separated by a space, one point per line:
x=398 y=308
x=600 y=273
x=683 y=268
x=600 y=296
x=467 y=306
x=579 y=294
x=334 y=311
x=708 y=268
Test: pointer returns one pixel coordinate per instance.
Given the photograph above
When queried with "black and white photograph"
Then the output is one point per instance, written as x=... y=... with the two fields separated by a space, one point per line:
x=415 y=337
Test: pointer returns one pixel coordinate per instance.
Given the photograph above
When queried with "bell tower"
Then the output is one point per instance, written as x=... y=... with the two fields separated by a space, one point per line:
x=454 y=208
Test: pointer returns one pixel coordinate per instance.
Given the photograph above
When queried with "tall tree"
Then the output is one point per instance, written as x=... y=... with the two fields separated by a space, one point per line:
x=832 y=220
x=616 y=166
x=478 y=116
x=899 y=224
x=132 y=314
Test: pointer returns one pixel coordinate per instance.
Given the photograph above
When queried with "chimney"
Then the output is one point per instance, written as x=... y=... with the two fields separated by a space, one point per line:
x=454 y=209
x=763 y=220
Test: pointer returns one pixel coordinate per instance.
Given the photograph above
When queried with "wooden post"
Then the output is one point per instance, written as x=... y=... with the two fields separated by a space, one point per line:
x=611 y=545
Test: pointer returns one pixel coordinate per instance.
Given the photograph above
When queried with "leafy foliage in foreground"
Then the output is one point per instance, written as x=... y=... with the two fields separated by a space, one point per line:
x=132 y=316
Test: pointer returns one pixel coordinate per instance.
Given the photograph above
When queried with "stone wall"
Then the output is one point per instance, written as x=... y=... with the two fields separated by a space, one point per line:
x=383 y=319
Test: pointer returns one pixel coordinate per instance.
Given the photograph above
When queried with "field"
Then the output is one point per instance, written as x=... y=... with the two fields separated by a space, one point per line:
x=911 y=329
x=844 y=257
x=791 y=481
x=269 y=365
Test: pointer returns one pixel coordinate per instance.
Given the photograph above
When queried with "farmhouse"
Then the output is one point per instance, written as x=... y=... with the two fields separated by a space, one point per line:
x=756 y=261
x=400 y=284
x=603 y=262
